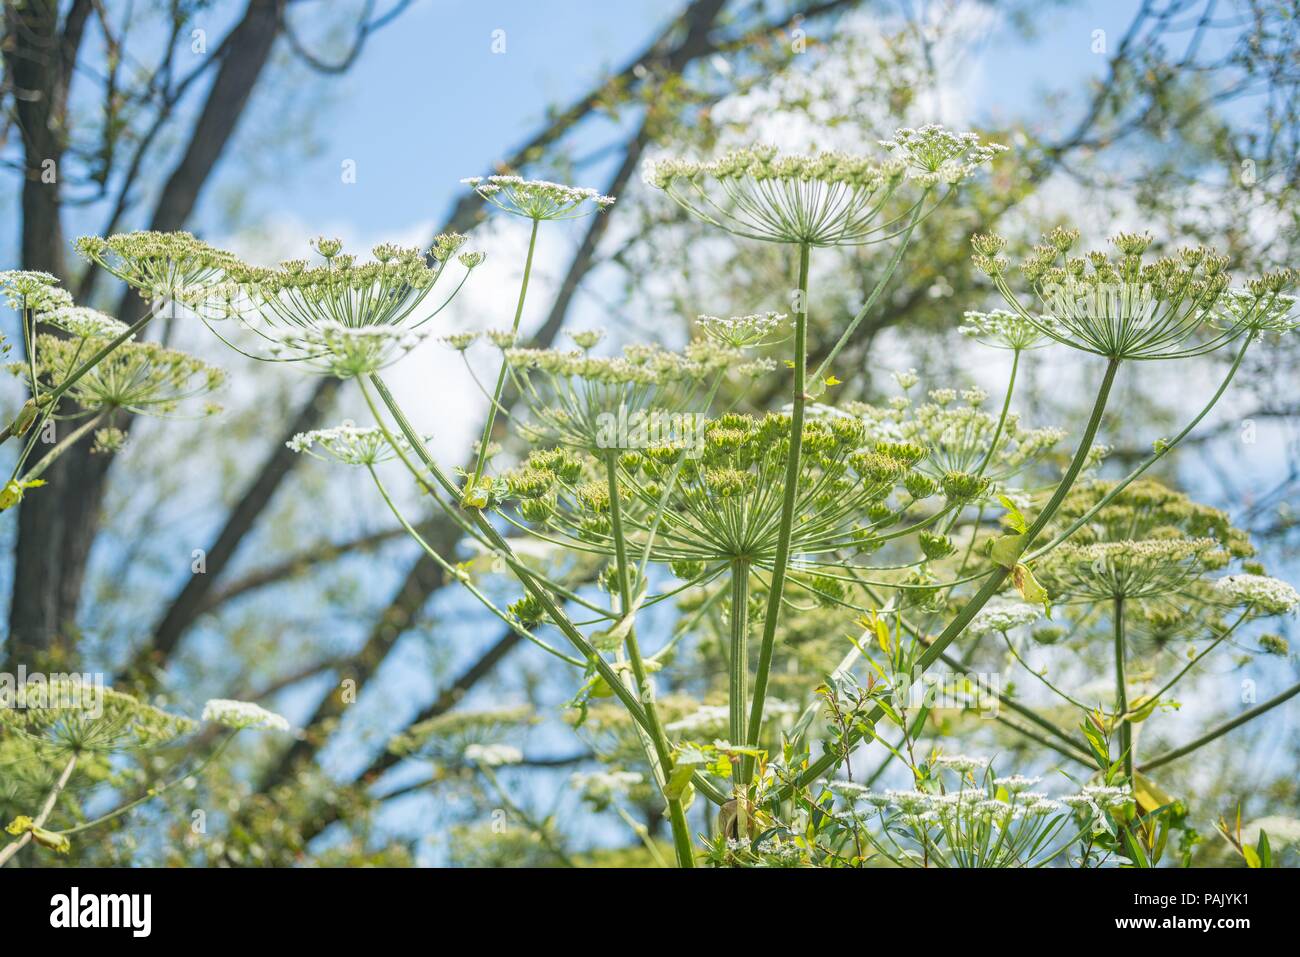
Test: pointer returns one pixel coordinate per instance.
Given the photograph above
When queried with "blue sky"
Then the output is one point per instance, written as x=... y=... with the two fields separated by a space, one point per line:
x=430 y=103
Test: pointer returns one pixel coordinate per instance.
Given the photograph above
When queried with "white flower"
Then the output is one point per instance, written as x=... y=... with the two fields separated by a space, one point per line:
x=601 y=787
x=705 y=716
x=743 y=331
x=493 y=755
x=1003 y=617
x=538 y=199
x=1099 y=797
x=906 y=379
x=911 y=802
x=347 y=352
x=1271 y=595
x=83 y=323
x=1016 y=783
x=243 y=714
x=961 y=763
x=348 y=444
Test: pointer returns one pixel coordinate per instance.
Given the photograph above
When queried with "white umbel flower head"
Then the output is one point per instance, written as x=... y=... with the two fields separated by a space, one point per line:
x=961 y=763
x=537 y=199
x=1002 y=617
x=1004 y=329
x=493 y=755
x=83 y=323
x=33 y=290
x=347 y=352
x=741 y=332
x=1016 y=783
x=241 y=715
x=348 y=444
x=1270 y=595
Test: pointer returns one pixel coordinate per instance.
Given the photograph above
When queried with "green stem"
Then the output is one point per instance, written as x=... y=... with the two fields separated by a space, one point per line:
x=654 y=727
x=155 y=791
x=1002 y=419
x=67 y=442
x=481 y=462
x=51 y=398
x=1222 y=729
x=739 y=657
x=999 y=576
x=790 y=493
x=1150 y=460
x=1121 y=692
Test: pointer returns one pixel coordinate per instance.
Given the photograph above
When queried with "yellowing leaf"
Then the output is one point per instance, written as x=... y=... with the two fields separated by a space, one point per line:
x=1029 y=588
x=1148 y=794
x=1006 y=549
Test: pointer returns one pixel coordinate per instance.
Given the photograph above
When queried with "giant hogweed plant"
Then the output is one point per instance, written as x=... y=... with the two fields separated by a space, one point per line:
x=809 y=519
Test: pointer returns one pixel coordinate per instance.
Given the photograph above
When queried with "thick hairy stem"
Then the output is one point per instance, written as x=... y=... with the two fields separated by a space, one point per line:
x=1121 y=692
x=739 y=656
x=782 y=558
x=481 y=462
x=993 y=584
x=654 y=727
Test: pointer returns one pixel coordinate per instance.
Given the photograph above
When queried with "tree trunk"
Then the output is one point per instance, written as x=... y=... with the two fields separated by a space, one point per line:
x=57 y=526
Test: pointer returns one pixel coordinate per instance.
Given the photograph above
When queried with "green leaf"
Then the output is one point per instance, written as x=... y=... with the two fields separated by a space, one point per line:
x=685 y=764
x=1013 y=518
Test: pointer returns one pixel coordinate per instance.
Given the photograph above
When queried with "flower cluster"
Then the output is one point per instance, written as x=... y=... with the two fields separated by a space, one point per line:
x=1131 y=569
x=386 y=291
x=1124 y=306
x=591 y=402
x=831 y=199
x=1002 y=617
x=241 y=715
x=938 y=155
x=33 y=290
x=348 y=444
x=493 y=755
x=166 y=266
x=1003 y=329
x=80 y=716
x=83 y=323
x=740 y=332
x=538 y=199
x=960 y=435
x=723 y=504
x=346 y=352
x=1268 y=595
x=146 y=378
